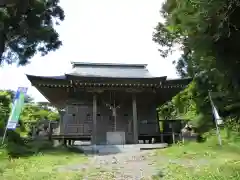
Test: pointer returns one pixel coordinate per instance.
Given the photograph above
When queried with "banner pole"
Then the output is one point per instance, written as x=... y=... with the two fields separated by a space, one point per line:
x=215 y=119
x=4 y=135
x=6 y=127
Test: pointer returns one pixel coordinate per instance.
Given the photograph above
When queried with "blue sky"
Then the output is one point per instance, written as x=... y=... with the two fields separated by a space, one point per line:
x=108 y=31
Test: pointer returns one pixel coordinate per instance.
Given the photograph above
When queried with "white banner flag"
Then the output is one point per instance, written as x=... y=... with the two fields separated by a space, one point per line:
x=216 y=115
x=218 y=119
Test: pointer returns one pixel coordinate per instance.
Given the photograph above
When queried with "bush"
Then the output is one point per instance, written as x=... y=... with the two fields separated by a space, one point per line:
x=15 y=146
x=3 y=153
x=15 y=137
x=16 y=150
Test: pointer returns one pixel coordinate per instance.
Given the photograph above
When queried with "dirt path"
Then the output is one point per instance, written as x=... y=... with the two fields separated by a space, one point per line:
x=138 y=165
x=124 y=166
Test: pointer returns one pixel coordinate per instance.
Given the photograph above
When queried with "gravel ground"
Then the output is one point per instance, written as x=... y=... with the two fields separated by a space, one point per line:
x=139 y=165
x=126 y=165
x=122 y=166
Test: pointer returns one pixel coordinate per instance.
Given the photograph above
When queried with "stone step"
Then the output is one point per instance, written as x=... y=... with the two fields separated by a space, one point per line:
x=114 y=149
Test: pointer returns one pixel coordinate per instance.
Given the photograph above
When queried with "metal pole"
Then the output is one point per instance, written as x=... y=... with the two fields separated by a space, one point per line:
x=4 y=135
x=217 y=128
x=5 y=131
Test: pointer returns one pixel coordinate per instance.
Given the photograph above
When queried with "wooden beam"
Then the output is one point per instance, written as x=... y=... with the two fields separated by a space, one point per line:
x=118 y=88
x=94 y=128
x=135 y=119
x=134 y=90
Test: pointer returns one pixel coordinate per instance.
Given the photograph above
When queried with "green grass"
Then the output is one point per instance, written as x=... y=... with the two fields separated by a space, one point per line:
x=38 y=160
x=198 y=161
x=42 y=164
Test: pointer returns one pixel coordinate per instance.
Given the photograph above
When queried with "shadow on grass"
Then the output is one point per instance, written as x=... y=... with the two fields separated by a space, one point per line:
x=34 y=147
x=158 y=176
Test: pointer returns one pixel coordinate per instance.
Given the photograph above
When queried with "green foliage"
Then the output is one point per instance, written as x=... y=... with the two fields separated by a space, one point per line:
x=24 y=147
x=182 y=106
x=16 y=147
x=5 y=102
x=208 y=35
x=28 y=28
x=42 y=164
x=31 y=113
x=34 y=112
x=197 y=161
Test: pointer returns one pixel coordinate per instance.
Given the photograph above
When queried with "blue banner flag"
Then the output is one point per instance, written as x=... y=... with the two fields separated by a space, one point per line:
x=18 y=104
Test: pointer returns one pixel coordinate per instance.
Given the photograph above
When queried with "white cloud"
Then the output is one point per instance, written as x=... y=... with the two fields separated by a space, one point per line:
x=98 y=31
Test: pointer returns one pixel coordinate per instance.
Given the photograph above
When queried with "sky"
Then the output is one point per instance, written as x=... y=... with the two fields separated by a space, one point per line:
x=100 y=31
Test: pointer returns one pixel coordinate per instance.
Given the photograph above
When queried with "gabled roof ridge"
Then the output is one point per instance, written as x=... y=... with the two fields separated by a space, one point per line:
x=109 y=64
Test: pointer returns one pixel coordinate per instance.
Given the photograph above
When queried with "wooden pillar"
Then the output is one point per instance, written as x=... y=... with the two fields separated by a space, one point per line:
x=61 y=127
x=162 y=139
x=64 y=142
x=50 y=132
x=94 y=128
x=135 y=121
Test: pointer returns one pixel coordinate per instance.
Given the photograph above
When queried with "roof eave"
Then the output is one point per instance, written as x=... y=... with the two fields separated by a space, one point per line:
x=184 y=81
x=33 y=77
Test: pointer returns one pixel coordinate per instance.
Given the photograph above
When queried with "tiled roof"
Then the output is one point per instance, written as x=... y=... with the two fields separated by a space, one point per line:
x=110 y=70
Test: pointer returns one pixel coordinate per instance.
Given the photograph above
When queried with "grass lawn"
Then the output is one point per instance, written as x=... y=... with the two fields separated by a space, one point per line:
x=193 y=161
x=199 y=161
x=42 y=165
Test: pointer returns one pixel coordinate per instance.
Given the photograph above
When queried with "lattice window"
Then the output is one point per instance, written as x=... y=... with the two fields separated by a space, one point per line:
x=70 y=130
x=80 y=130
x=87 y=129
x=71 y=109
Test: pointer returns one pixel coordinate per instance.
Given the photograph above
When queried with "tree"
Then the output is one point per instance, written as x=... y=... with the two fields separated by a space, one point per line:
x=27 y=27
x=32 y=112
x=47 y=106
x=5 y=101
x=208 y=35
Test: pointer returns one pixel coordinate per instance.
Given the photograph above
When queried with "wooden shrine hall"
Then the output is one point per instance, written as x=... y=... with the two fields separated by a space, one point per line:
x=110 y=103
